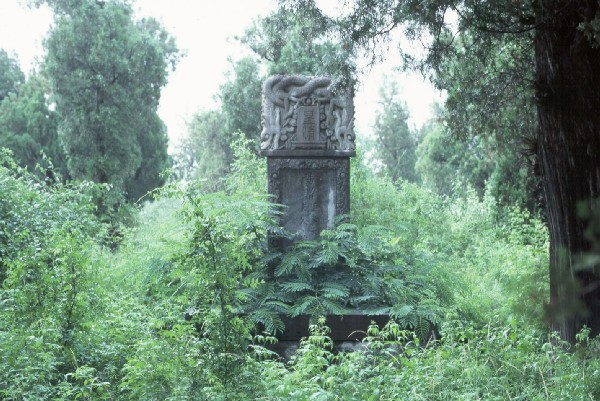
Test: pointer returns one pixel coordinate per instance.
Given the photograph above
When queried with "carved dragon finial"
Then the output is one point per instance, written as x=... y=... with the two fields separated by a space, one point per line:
x=286 y=97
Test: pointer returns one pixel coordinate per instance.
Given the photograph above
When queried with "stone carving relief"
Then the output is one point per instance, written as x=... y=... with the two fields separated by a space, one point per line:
x=306 y=113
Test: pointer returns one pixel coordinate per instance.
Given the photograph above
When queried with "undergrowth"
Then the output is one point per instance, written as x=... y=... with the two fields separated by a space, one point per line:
x=172 y=313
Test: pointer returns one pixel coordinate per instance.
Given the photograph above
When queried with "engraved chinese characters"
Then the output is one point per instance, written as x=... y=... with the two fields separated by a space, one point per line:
x=306 y=113
x=308 y=139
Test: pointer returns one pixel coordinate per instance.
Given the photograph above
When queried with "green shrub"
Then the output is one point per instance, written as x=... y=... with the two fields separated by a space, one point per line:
x=47 y=285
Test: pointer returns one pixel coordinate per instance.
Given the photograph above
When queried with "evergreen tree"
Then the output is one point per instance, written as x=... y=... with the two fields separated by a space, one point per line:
x=106 y=72
x=204 y=152
x=292 y=42
x=28 y=126
x=241 y=103
x=448 y=163
x=10 y=74
x=396 y=144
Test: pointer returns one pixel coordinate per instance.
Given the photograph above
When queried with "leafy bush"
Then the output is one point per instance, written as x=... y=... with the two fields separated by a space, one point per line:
x=169 y=314
x=483 y=266
x=494 y=363
x=47 y=289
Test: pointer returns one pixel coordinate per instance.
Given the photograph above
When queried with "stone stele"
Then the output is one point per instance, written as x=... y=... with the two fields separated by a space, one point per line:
x=308 y=138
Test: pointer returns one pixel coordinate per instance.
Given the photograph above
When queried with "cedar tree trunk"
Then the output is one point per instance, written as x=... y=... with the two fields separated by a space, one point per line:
x=568 y=91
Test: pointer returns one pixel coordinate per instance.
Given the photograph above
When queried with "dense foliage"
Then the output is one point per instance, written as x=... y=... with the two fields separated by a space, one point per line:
x=173 y=313
x=396 y=144
x=189 y=305
x=516 y=72
x=28 y=126
x=10 y=74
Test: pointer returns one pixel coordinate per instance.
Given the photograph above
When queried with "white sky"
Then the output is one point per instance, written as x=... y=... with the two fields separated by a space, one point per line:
x=204 y=29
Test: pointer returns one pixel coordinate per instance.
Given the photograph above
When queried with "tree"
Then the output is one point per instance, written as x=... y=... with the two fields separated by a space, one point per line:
x=155 y=159
x=292 y=42
x=396 y=144
x=553 y=47
x=204 y=153
x=491 y=107
x=241 y=103
x=10 y=74
x=106 y=73
x=28 y=126
x=447 y=163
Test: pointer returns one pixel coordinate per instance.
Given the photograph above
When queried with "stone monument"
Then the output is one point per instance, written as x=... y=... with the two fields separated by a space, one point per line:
x=308 y=139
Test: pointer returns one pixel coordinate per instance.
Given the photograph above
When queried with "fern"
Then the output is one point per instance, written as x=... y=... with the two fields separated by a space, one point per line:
x=304 y=305
x=271 y=321
x=342 y=271
x=277 y=306
x=422 y=328
x=297 y=286
x=289 y=263
x=328 y=255
x=329 y=307
x=334 y=290
x=401 y=312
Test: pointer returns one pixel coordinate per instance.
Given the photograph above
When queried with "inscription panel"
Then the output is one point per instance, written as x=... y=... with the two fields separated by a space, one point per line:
x=306 y=113
x=315 y=191
x=311 y=195
x=308 y=123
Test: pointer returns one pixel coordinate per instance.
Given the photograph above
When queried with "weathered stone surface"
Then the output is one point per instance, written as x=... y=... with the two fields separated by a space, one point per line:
x=307 y=138
x=302 y=113
x=315 y=191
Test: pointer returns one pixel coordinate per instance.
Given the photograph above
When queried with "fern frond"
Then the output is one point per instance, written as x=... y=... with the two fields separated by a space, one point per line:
x=304 y=305
x=333 y=290
x=270 y=320
x=408 y=321
x=282 y=296
x=357 y=300
x=297 y=286
x=277 y=306
x=330 y=307
x=401 y=311
x=328 y=255
x=422 y=328
x=289 y=263
x=270 y=258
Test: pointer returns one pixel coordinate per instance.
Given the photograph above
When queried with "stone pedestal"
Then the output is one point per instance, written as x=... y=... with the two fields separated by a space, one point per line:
x=347 y=332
